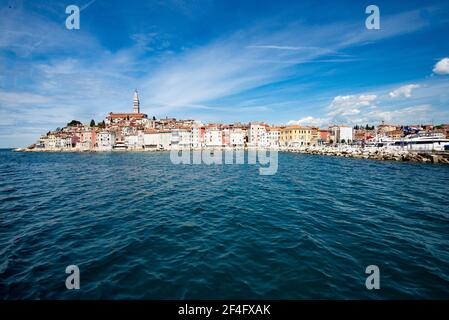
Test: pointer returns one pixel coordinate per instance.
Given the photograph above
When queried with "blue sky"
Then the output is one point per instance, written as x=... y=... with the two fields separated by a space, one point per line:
x=280 y=62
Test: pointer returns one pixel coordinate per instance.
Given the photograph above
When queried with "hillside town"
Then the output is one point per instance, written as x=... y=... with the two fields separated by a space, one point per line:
x=135 y=131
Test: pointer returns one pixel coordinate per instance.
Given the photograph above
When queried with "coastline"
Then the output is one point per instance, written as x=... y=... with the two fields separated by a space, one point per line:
x=380 y=154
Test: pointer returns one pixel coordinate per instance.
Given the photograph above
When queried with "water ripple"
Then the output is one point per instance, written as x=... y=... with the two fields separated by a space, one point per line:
x=141 y=228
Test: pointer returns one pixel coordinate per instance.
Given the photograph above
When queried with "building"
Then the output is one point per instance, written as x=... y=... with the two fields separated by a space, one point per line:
x=136 y=116
x=296 y=136
x=383 y=128
x=135 y=141
x=257 y=135
x=136 y=103
x=185 y=138
x=237 y=138
x=88 y=139
x=181 y=138
x=66 y=142
x=197 y=136
x=157 y=140
x=273 y=137
x=341 y=134
x=324 y=136
x=52 y=141
x=363 y=135
x=213 y=137
x=106 y=140
x=395 y=134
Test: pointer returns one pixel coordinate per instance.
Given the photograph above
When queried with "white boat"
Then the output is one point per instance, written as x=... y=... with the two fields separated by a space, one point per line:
x=421 y=142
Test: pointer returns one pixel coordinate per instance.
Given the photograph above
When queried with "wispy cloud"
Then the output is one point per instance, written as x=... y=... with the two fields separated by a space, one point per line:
x=51 y=75
x=229 y=66
x=293 y=48
x=404 y=91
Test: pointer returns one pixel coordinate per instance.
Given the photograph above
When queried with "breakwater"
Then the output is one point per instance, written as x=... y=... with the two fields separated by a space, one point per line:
x=375 y=153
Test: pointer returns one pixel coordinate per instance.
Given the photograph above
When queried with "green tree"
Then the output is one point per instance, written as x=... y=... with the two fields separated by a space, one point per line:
x=92 y=123
x=73 y=123
x=102 y=125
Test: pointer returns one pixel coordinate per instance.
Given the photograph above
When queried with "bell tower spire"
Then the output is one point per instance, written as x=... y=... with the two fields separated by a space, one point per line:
x=136 y=102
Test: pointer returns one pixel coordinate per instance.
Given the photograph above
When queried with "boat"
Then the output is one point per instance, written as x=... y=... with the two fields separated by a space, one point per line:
x=424 y=142
x=427 y=142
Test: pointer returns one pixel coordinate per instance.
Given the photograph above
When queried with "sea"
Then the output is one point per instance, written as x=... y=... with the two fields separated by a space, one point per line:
x=138 y=226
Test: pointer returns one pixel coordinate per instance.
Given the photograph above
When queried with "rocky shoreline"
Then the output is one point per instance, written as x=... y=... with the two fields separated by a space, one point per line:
x=375 y=154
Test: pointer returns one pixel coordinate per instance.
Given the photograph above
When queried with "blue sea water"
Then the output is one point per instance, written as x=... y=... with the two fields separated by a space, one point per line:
x=140 y=227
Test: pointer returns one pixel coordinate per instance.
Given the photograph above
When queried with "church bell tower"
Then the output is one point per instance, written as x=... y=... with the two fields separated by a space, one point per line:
x=136 y=103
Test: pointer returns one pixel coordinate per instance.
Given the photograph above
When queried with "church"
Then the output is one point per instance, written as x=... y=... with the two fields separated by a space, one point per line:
x=135 y=115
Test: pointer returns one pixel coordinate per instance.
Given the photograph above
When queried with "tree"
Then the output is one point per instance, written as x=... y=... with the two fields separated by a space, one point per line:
x=102 y=125
x=92 y=123
x=154 y=118
x=73 y=123
x=367 y=127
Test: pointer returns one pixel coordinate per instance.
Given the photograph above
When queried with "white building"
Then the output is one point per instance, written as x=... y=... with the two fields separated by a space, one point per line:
x=106 y=140
x=213 y=137
x=273 y=137
x=157 y=140
x=197 y=136
x=181 y=138
x=135 y=141
x=341 y=134
x=66 y=143
x=257 y=135
x=237 y=138
x=185 y=138
x=52 y=142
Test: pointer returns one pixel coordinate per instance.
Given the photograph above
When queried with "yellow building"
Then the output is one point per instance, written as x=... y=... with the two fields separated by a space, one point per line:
x=295 y=136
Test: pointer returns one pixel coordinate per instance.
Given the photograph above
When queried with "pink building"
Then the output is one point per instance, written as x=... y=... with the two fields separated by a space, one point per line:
x=89 y=138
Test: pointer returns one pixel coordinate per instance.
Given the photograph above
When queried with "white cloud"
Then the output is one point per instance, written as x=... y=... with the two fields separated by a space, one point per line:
x=405 y=115
x=250 y=58
x=343 y=109
x=22 y=98
x=408 y=115
x=82 y=79
x=350 y=105
x=442 y=66
x=308 y=121
x=405 y=91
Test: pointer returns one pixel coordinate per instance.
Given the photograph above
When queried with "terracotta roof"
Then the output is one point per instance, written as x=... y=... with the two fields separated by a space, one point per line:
x=297 y=127
x=127 y=115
